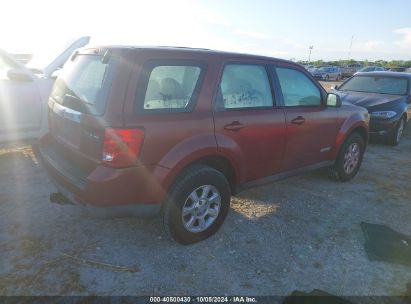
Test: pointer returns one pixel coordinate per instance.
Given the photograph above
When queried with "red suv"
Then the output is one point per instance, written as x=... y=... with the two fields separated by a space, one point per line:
x=177 y=131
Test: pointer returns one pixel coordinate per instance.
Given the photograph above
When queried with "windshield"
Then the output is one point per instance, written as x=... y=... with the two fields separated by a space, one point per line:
x=42 y=58
x=55 y=54
x=376 y=84
x=367 y=69
x=84 y=83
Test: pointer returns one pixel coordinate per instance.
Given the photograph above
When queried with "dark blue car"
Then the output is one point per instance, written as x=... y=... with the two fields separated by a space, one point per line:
x=386 y=96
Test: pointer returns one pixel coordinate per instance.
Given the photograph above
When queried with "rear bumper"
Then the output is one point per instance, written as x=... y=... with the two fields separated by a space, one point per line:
x=107 y=191
x=135 y=210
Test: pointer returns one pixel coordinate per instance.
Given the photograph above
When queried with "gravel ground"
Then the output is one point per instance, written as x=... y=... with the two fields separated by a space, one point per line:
x=301 y=233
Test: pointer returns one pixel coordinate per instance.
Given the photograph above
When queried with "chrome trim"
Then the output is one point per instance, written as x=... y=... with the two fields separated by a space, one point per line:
x=67 y=113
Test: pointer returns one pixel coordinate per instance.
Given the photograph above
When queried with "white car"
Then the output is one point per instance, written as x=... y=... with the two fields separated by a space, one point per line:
x=24 y=93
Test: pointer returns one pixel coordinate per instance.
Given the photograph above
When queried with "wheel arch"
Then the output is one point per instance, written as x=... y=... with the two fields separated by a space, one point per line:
x=362 y=131
x=359 y=128
x=215 y=161
x=219 y=163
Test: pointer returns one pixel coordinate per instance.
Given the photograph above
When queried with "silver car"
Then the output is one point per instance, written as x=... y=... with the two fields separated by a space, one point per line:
x=24 y=93
x=327 y=73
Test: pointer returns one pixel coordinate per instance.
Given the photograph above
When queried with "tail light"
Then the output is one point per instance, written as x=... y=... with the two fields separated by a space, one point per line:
x=121 y=146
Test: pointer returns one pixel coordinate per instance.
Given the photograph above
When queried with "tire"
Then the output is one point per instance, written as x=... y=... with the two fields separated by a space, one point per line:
x=212 y=194
x=395 y=136
x=349 y=158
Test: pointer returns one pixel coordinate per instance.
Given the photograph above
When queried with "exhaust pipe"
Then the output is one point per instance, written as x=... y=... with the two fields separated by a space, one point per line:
x=58 y=198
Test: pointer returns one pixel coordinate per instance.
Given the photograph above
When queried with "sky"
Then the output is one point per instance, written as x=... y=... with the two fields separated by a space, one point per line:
x=284 y=29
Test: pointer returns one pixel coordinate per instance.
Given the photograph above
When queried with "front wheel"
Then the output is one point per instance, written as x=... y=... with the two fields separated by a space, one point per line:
x=349 y=158
x=197 y=204
x=395 y=137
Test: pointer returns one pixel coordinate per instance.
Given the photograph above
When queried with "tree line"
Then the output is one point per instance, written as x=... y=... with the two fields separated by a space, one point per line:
x=383 y=63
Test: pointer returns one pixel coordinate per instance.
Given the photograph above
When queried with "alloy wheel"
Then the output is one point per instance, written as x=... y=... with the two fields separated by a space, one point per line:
x=400 y=130
x=201 y=208
x=351 y=158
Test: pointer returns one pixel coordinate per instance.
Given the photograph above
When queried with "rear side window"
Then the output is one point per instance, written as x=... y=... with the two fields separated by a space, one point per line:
x=83 y=84
x=244 y=86
x=297 y=88
x=170 y=87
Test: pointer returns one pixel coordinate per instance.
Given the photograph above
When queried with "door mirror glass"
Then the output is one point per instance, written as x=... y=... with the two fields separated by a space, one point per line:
x=333 y=100
x=55 y=74
x=18 y=75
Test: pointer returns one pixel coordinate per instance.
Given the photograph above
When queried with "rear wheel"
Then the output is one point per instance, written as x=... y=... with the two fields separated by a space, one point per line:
x=197 y=205
x=349 y=158
x=395 y=137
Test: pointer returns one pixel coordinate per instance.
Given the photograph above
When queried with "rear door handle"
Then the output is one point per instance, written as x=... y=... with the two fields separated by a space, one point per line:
x=234 y=126
x=298 y=120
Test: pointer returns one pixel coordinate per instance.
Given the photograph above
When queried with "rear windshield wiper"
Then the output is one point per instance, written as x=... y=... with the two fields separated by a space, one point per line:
x=76 y=103
x=77 y=98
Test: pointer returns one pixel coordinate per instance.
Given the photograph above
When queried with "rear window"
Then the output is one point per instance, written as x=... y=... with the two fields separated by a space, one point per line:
x=169 y=87
x=376 y=84
x=84 y=83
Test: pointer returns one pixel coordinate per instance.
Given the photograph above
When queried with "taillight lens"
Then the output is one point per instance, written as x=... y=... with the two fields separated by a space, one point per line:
x=121 y=146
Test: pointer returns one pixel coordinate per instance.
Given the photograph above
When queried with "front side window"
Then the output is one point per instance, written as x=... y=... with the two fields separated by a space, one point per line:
x=244 y=86
x=297 y=88
x=171 y=87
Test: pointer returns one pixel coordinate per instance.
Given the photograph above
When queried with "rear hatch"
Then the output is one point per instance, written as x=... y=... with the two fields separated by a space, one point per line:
x=87 y=97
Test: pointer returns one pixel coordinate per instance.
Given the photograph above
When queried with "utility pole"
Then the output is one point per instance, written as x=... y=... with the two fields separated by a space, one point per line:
x=349 y=49
x=309 y=54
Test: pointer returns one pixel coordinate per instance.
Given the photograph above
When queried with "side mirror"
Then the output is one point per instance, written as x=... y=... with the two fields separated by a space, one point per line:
x=333 y=100
x=55 y=74
x=18 y=75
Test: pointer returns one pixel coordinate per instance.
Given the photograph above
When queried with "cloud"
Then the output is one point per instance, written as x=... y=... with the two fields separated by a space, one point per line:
x=370 y=46
x=255 y=35
x=373 y=45
x=405 y=42
x=293 y=43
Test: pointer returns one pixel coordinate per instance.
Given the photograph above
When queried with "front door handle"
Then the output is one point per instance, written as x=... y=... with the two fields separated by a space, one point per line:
x=234 y=126
x=298 y=120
